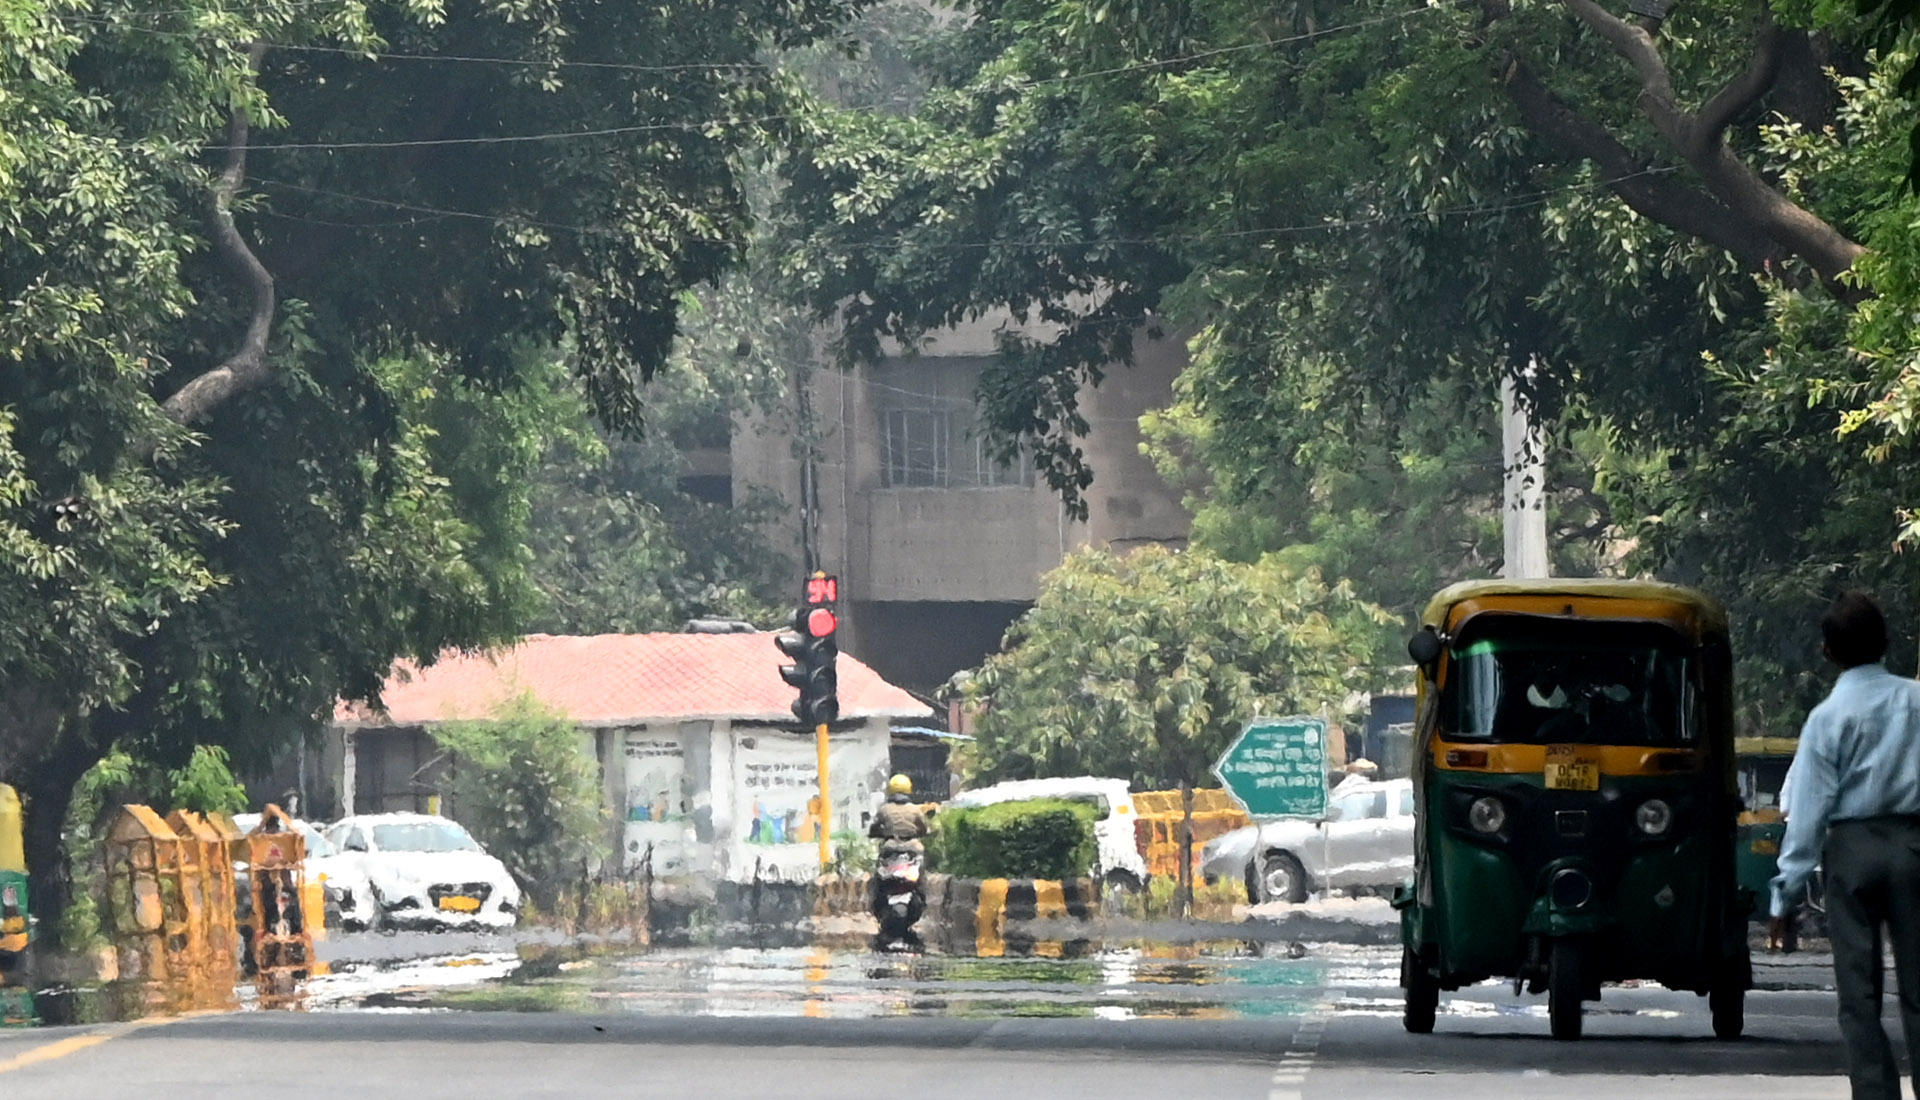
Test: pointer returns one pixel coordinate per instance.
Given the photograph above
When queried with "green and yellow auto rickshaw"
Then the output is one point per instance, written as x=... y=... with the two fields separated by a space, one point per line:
x=1575 y=799
x=15 y=916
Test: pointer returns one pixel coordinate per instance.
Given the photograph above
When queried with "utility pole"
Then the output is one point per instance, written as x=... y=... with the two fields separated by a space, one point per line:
x=807 y=450
x=1524 y=489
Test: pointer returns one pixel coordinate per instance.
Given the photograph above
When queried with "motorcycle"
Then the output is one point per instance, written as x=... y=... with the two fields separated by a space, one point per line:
x=898 y=898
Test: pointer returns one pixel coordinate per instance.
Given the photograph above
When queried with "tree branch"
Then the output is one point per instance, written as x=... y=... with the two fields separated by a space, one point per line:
x=1745 y=90
x=1638 y=48
x=1660 y=198
x=1700 y=140
x=247 y=367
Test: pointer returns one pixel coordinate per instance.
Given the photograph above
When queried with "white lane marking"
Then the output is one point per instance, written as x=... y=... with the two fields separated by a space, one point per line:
x=1290 y=1076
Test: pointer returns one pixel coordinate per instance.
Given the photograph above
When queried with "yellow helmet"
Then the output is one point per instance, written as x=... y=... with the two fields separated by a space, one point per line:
x=899 y=784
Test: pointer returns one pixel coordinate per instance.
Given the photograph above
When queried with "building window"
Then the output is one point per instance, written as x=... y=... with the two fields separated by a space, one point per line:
x=988 y=470
x=916 y=447
x=922 y=452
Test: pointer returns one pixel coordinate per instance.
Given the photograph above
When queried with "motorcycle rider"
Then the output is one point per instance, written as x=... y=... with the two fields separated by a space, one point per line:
x=899 y=825
x=897 y=898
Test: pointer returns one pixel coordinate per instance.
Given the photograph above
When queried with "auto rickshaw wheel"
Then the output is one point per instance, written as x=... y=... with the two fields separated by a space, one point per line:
x=1566 y=988
x=1729 y=1012
x=1282 y=878
x=1727 y=1000
x=1423 y=993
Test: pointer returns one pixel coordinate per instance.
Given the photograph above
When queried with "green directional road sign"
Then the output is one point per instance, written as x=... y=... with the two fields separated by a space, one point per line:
x=1277 y=767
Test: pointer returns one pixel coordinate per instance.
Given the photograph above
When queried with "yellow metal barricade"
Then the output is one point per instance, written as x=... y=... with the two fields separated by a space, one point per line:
x=1157 y=825
x=281 y=942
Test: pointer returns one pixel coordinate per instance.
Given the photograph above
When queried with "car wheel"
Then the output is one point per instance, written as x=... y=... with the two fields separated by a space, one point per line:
x=1282 y=878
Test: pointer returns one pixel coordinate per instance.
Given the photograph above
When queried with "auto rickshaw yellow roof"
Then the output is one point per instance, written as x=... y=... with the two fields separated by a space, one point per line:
x=1707 y=614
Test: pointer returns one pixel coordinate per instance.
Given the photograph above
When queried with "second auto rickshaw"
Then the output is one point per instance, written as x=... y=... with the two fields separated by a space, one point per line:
x=15 y=917
x=1574 y=789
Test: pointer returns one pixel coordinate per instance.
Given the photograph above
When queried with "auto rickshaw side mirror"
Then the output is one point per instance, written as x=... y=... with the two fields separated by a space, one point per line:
x=1425 y=648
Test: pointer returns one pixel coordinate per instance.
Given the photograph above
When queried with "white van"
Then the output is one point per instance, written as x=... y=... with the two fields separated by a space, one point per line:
x=1119 y=856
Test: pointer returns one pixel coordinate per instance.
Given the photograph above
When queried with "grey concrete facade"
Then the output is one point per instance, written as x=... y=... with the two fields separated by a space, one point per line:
x=938 y=546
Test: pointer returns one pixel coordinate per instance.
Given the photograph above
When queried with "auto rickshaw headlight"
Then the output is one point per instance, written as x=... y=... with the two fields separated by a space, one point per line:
x=1653 y=817
x=1487 y=814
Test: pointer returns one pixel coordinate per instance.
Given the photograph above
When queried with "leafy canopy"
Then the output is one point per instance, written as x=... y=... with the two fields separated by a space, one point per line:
x=1145 y=666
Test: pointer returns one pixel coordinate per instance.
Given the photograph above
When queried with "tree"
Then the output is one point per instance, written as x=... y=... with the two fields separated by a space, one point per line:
x=620 y=543
x=270 y=276
x=1145 y=666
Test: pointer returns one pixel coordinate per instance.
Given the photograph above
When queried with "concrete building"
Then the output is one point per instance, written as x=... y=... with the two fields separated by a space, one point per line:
x=938 y=546
x=702 y=768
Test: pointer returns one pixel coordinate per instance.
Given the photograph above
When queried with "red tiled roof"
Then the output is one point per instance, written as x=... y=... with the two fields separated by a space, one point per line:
x=616 y=679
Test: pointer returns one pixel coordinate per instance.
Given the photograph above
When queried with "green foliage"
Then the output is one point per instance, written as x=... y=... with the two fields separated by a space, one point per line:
x=206 y=785
x=1146 y=665
x=187 y=567
x=619 y=544
x=528 y=793
x=1046 y=838
x=1368 y=228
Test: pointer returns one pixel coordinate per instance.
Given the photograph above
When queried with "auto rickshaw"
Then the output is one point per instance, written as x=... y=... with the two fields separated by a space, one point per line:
x=1574 y=797
x=1761 y=765
x=15 y=922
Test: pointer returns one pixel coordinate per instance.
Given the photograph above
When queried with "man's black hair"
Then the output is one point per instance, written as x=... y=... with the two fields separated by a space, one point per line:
x=1854 y=629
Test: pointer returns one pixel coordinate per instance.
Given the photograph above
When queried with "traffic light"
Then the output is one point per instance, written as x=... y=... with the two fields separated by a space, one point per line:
x=811 y=647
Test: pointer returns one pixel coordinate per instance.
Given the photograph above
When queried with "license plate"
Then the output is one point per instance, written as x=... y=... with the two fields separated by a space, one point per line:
x=460 y=904
x=1566 y=771
x=899 y=899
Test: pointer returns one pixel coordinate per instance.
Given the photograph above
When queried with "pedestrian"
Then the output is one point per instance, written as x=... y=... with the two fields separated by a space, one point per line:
x=1855 y=794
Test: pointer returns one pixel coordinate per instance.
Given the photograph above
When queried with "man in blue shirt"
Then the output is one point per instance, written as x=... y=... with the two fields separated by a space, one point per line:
x=1855 y=807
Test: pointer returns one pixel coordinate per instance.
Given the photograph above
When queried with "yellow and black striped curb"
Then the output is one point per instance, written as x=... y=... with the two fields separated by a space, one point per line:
x=992 y=916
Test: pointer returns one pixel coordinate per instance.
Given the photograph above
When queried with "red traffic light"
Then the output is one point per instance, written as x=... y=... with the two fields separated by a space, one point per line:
x=821 y=623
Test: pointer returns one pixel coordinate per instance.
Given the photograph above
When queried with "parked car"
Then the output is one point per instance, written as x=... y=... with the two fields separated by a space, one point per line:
x=425 y=871
x=1365 y=841
x=1119 y=859
x=348 y=894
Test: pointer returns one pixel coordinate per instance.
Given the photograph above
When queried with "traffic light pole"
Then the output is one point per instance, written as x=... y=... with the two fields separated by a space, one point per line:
x=826 y=803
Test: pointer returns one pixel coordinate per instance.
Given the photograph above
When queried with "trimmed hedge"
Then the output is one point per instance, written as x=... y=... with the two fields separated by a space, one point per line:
x=1048 y=838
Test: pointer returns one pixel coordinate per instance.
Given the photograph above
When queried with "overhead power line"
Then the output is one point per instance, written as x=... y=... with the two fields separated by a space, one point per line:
x=1489 y=208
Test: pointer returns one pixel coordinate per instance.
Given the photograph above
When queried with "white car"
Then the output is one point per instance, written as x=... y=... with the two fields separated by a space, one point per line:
x=1118 y=849
x=1364 y=842
x=425 y=871
x=346 y=889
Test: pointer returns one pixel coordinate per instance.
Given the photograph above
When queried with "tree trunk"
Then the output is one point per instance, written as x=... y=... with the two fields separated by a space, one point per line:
x=1185 y=896
x=48 y=790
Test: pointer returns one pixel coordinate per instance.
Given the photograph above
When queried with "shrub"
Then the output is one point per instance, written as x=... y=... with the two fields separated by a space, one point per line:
x=528 y=794
x=1042 y=838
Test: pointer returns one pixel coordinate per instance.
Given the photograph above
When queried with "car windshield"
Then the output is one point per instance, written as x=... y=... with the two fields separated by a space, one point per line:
x=1358 y=805
x=317 y=843
x=1616 y=684
x=423 y=836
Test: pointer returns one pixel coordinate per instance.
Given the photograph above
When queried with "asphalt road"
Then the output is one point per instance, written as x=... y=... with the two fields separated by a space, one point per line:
x=856 y=1026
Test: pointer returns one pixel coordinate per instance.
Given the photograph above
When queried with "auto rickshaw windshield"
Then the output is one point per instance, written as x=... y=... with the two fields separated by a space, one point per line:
x=1550 y=681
